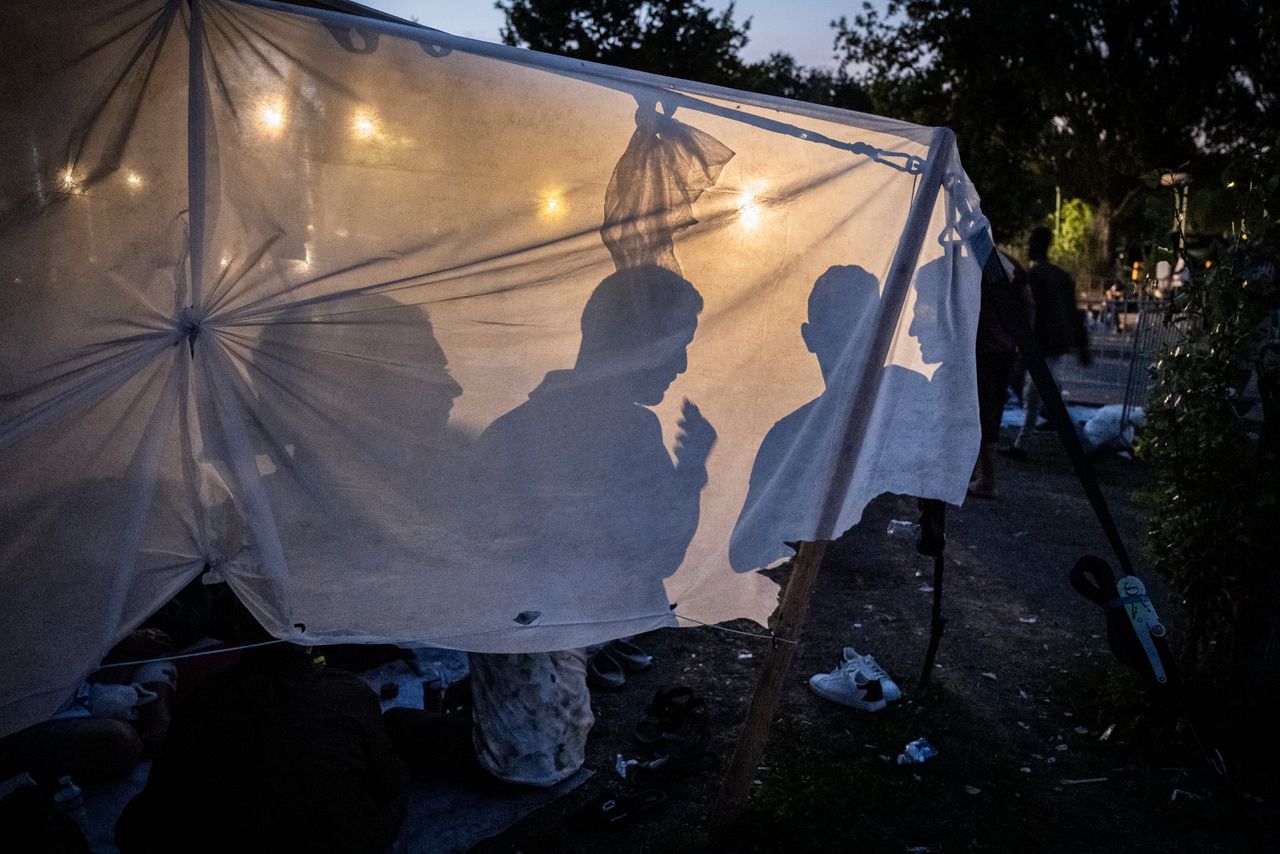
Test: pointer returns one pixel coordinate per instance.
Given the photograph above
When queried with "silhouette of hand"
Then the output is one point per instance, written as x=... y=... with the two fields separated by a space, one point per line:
x=694 y=438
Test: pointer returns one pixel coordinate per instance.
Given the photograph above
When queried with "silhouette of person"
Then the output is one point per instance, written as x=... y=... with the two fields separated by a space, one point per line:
x=841 y=306
x=581 y=481
x=797 y=456
x=939 y=406
x=366 y=478
x=1057 y=322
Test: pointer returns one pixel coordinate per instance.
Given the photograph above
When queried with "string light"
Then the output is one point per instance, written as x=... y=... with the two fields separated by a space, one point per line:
x=364 y=126
x=749 y=211
x=553 y=205
x=271 y=116
x=70 y=181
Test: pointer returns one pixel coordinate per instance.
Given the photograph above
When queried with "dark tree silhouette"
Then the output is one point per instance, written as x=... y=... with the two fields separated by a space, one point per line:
x=678 y=38
x=1092 y=95
x=681 y=38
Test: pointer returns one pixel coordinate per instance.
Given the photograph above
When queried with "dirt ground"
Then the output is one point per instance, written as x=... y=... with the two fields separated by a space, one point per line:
x=1023 y=692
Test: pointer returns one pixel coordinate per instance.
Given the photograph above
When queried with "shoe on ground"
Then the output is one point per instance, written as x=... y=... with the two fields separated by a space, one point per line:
x=632 y=658
x=847 y=686
x=871 y=669
x=604 y=672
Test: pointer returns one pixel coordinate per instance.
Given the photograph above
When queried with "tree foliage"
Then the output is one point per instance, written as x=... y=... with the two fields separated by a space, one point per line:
x=677 y=38
x=1214 y=492
x=781 y=75
x=1089 y=95
x=1074 y=246
x=681 y=38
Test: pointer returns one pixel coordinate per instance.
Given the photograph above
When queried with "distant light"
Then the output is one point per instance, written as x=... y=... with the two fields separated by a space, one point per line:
x=271 y=116
x=749 y=211
x=364 y=126
x=134 y=180
x=70 y=181
x=553 y=205
x=226 y=262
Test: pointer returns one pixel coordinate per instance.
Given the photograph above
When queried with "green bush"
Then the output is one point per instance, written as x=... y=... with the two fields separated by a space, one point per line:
x=1214 y=491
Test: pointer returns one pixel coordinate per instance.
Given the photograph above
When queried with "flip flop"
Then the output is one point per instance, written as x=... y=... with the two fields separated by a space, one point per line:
x=611 y=809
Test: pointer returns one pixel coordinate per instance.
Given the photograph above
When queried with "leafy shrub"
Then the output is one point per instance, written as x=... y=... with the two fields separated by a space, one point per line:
x=1214 y=493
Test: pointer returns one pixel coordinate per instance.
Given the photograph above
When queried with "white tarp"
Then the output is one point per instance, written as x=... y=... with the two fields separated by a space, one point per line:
x=419 y=339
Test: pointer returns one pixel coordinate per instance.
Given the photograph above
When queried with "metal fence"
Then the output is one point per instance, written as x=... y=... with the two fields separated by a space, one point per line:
x=1124 y=345
x=1156 y=330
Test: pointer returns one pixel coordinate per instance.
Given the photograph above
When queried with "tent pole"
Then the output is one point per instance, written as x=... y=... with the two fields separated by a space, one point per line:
x=736 y=787
x=936 y=624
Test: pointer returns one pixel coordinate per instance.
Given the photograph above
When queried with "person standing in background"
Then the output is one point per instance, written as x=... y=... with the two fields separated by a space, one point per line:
x=1058 y=325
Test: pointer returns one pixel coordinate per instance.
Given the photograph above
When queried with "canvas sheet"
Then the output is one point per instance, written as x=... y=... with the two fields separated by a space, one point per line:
x=413 y=338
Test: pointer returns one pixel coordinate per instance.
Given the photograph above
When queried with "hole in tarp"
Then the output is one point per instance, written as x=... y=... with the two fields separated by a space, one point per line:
x=528 y=618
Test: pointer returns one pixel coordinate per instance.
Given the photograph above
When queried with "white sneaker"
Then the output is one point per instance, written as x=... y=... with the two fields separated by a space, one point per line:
x=871 y=669
x=849 y=687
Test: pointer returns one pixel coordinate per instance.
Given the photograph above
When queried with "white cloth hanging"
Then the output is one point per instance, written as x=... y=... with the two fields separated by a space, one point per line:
x=419 y=339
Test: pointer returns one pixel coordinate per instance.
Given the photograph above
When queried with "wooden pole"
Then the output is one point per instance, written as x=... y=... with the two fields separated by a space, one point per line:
x=736 y=787
x=795 y=601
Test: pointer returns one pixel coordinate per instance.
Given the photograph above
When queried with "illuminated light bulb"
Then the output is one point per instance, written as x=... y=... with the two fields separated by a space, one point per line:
x=553 y=205
x=134 y=180
x=749 y=211
x=226 y=262
x=363 y=126
x=70 y=181
x=271 y=117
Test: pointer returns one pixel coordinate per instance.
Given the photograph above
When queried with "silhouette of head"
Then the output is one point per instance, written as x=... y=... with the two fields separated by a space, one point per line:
x=930 y=323
x=635 y=328
x=840 y=299
x=373 y=355
x=1038 y=243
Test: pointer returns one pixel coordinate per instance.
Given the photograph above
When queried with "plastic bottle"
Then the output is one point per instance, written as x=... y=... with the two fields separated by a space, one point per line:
x=916 y=752
x=901 y=529
x=69 y=800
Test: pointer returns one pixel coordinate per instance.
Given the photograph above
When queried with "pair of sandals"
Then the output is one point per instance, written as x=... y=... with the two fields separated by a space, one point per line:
x=607 y=669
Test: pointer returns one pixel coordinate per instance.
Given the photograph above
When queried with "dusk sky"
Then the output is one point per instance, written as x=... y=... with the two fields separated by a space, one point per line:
x=801 y=27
